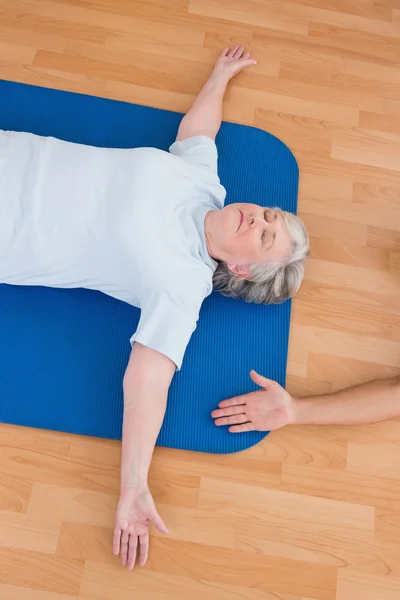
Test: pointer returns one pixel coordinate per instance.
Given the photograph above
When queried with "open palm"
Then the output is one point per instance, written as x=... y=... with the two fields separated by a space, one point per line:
x=265 y=410
x=232 y=61
x=136 y=509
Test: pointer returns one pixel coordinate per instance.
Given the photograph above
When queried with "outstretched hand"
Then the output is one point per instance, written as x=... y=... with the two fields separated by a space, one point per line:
x=231 y=62
x=136 y=509
x=264 y=410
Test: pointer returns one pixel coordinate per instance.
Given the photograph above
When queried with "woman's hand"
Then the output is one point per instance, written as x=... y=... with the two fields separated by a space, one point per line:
x=231 y=62
x=135 y=510
x=265 y=410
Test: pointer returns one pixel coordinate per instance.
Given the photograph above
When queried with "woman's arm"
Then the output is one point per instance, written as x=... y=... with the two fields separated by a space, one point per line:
x=204 y=117
x=273 y=407
x=146 y=383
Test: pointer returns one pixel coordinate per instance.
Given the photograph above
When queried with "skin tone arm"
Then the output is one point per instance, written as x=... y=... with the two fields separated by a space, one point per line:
x=146 y=382
x=204 y=117
x=149 y=373
x=273 y=407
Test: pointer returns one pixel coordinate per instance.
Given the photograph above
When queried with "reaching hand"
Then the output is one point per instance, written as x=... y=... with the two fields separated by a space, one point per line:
x=135 y=510
x=231 y=62
x=265 y=410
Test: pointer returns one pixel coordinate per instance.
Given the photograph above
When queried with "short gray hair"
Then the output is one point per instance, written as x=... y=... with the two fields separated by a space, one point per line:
x=271 y=282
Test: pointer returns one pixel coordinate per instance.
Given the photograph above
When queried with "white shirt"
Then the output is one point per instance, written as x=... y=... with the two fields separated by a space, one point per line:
x=127 y=222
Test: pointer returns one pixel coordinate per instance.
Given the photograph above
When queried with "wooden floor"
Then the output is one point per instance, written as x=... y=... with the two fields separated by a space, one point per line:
x=312 y=513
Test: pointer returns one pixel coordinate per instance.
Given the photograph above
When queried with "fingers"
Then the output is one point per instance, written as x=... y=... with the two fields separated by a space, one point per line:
x=233 y=420
x=236 y=401
x=233 y=51
x=238 y=52
x=144 y=548
x=247 y=63
x=128 y=532
x=132 y=550
x=260 y=380
x=124 y=548
x=158 y=522
x=242 y=428
x=127 y=543
x=227 y=412
x=116 y=541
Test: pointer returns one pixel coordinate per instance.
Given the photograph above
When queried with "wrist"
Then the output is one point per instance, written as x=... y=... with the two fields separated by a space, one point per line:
x=131 y=480
x=137 y=487
x=218 y=78
x=296 y=411
x=307 y=411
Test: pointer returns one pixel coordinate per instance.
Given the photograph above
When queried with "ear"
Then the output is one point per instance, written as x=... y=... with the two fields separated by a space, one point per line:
x=241 y=271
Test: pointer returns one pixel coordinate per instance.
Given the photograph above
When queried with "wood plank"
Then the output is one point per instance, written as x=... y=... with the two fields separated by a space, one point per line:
x=341 y=19
x=343 y=485
x=270 y=575
x=349 y=345
x=375 y=122
x=40 y=571
x=264 y=14
x=343 y=372
x=380 y=459
x=276 y=509
x=28 y=533
x=99 y=582
x=13 y=592
x=352 y=584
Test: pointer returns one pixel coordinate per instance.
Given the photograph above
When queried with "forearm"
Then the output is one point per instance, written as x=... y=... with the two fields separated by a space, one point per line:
x=145 y=398
x=205 y=115
x=367 y=403
x=143 y=417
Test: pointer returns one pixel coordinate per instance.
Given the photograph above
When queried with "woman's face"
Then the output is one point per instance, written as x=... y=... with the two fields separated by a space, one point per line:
x=243 y=234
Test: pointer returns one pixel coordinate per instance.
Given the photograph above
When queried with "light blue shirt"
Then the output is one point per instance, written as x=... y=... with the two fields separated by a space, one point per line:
x=126 y=222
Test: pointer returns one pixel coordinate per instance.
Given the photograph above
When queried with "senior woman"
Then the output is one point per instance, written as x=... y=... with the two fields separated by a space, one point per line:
x=147 y=227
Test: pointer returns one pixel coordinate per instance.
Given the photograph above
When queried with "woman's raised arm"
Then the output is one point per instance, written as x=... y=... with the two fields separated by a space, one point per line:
x=205 y=116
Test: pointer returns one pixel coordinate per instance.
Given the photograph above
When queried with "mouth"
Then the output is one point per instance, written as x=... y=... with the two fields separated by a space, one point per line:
x=241 y=220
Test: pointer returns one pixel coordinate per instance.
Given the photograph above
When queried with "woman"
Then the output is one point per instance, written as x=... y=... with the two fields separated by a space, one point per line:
x=149 y=228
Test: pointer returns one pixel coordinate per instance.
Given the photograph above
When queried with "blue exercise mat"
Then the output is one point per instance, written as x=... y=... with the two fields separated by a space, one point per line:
x=63 y=352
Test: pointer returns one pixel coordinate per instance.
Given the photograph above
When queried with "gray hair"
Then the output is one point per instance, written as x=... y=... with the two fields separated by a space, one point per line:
x=271 y=282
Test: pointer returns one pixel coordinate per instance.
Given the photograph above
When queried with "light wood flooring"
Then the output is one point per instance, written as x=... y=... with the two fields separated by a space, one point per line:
x=312 y=513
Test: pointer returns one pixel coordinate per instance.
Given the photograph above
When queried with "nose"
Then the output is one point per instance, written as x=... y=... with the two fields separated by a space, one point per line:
x=255 y=220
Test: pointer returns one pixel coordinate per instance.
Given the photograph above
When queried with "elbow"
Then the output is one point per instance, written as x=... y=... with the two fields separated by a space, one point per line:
x=125 y=381
x=148 y=370
x=189 y=129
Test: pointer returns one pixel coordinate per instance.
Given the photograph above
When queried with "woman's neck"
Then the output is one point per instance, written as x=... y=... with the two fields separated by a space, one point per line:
x=208 y=225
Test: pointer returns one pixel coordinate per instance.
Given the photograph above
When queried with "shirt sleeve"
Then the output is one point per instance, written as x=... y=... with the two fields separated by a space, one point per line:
x=166 y=325
x=199 y=150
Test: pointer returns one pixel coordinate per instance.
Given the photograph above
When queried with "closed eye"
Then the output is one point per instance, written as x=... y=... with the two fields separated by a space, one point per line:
x=267 y=218
x=267 y=215
x=263 y=235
